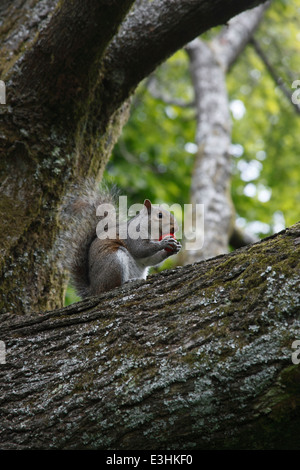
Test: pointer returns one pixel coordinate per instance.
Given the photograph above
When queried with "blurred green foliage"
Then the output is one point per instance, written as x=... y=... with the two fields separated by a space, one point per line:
x=150 y=159
x=154 y=156
x=268 y=134
x=71 y=297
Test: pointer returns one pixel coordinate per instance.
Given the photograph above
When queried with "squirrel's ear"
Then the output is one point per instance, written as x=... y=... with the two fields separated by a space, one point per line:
x=147 y=204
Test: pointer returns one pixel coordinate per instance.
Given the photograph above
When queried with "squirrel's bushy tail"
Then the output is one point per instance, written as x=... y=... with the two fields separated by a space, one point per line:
x=78 y=213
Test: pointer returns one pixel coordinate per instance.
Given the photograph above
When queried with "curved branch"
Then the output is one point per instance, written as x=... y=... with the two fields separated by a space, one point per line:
x=156 y=29
x=58 y=66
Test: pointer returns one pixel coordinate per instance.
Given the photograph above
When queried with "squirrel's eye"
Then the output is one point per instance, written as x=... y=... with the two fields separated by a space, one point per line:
x=160 y=215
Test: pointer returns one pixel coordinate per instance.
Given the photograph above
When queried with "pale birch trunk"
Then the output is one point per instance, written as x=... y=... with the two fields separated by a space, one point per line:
x=211 y=178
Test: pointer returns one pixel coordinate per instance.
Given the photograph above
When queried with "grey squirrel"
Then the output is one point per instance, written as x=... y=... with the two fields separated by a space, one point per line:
x=99 y=262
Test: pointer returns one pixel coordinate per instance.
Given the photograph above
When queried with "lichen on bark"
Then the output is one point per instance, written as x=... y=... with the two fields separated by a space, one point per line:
x=198 y=357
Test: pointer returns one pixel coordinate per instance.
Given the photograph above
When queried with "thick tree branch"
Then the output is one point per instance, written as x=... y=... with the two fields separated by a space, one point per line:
x=156 y=29
x=198 y=357
x=59 y=66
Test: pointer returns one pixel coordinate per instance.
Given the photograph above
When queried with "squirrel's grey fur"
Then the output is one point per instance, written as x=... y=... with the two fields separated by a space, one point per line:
x=97 y=265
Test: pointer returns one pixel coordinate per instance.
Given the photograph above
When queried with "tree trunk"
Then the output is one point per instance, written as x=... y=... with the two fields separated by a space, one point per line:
x=200 y=357
x=69 y=70
x=211 y=178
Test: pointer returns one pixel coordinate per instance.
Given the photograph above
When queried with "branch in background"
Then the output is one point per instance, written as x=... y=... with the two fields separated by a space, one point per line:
x=133 y=159
x=153 y=89
x=233 y=39
x=277 y=79
x=128 y=156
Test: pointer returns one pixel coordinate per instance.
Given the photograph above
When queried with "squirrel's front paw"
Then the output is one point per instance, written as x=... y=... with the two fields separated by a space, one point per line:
x=170 y=244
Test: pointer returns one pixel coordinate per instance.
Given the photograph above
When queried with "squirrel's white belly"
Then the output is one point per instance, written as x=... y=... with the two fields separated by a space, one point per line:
x=131 y=269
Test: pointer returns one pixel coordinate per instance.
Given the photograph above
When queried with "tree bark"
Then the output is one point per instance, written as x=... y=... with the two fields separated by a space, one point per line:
x=199 y=357
x=211 y=178
x=69 y=69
